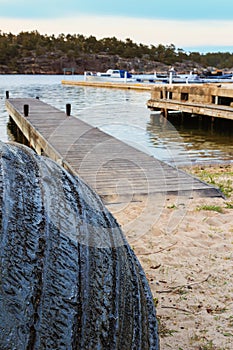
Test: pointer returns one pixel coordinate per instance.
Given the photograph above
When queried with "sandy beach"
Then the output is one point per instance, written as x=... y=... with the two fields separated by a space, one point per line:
x=189 y=264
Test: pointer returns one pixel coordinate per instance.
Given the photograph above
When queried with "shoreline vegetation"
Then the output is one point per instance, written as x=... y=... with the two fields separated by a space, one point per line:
x=34 y=53
x=189 y=269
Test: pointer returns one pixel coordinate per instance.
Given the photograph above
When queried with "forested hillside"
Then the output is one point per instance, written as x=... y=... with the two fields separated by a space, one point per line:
x=33 y=53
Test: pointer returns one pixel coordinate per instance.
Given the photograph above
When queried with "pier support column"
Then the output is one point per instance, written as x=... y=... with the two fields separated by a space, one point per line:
x=164 y=112
x=212 y=125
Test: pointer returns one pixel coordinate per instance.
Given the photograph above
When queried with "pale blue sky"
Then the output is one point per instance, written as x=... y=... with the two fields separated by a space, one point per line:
x=188 y=24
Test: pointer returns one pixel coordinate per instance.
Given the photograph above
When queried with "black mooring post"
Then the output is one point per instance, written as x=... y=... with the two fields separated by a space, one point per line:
x=26 y=110
x=68 y=109
x=7 y=95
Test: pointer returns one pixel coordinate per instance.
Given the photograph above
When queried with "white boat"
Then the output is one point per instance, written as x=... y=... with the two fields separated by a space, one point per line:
x=111 y=75
x=192 y=78
x=121 y=76
x=225 y=78
x=196 y=78
x=170 y=77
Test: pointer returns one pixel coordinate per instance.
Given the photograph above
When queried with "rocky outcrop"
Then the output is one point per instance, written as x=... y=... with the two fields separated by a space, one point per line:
x=55 y=62
x=68 y=278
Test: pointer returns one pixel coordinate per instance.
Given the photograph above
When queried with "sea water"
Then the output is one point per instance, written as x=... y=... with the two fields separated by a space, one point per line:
x=123 y=114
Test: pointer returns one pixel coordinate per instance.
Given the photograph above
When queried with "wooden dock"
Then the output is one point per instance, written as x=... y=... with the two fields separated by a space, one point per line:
x=110 y=85
x=118 y=172
x=214 y=100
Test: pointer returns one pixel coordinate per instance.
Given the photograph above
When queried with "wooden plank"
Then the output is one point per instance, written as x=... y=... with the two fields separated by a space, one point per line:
x=216 y=111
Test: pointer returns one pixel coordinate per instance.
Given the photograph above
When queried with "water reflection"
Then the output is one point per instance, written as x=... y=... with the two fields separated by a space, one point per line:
x=204 y=140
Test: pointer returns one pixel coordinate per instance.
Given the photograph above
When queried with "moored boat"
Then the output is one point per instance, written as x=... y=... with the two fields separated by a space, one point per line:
x=111 y=75
x=172 y=77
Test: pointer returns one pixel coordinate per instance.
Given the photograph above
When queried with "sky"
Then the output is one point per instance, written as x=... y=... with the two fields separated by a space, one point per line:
x=200 y=25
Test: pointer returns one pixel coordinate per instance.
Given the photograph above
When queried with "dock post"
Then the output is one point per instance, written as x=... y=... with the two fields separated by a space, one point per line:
x=68 y=109
x=125 y=76
x=7 y=95
x=26 y=110
x=170 y=77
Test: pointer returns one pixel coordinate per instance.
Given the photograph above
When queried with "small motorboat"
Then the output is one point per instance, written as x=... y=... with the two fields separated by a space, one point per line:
x=112 y=75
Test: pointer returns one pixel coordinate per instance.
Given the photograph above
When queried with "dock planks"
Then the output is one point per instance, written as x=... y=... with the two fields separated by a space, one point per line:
x=111 y=85
x=114 y=169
